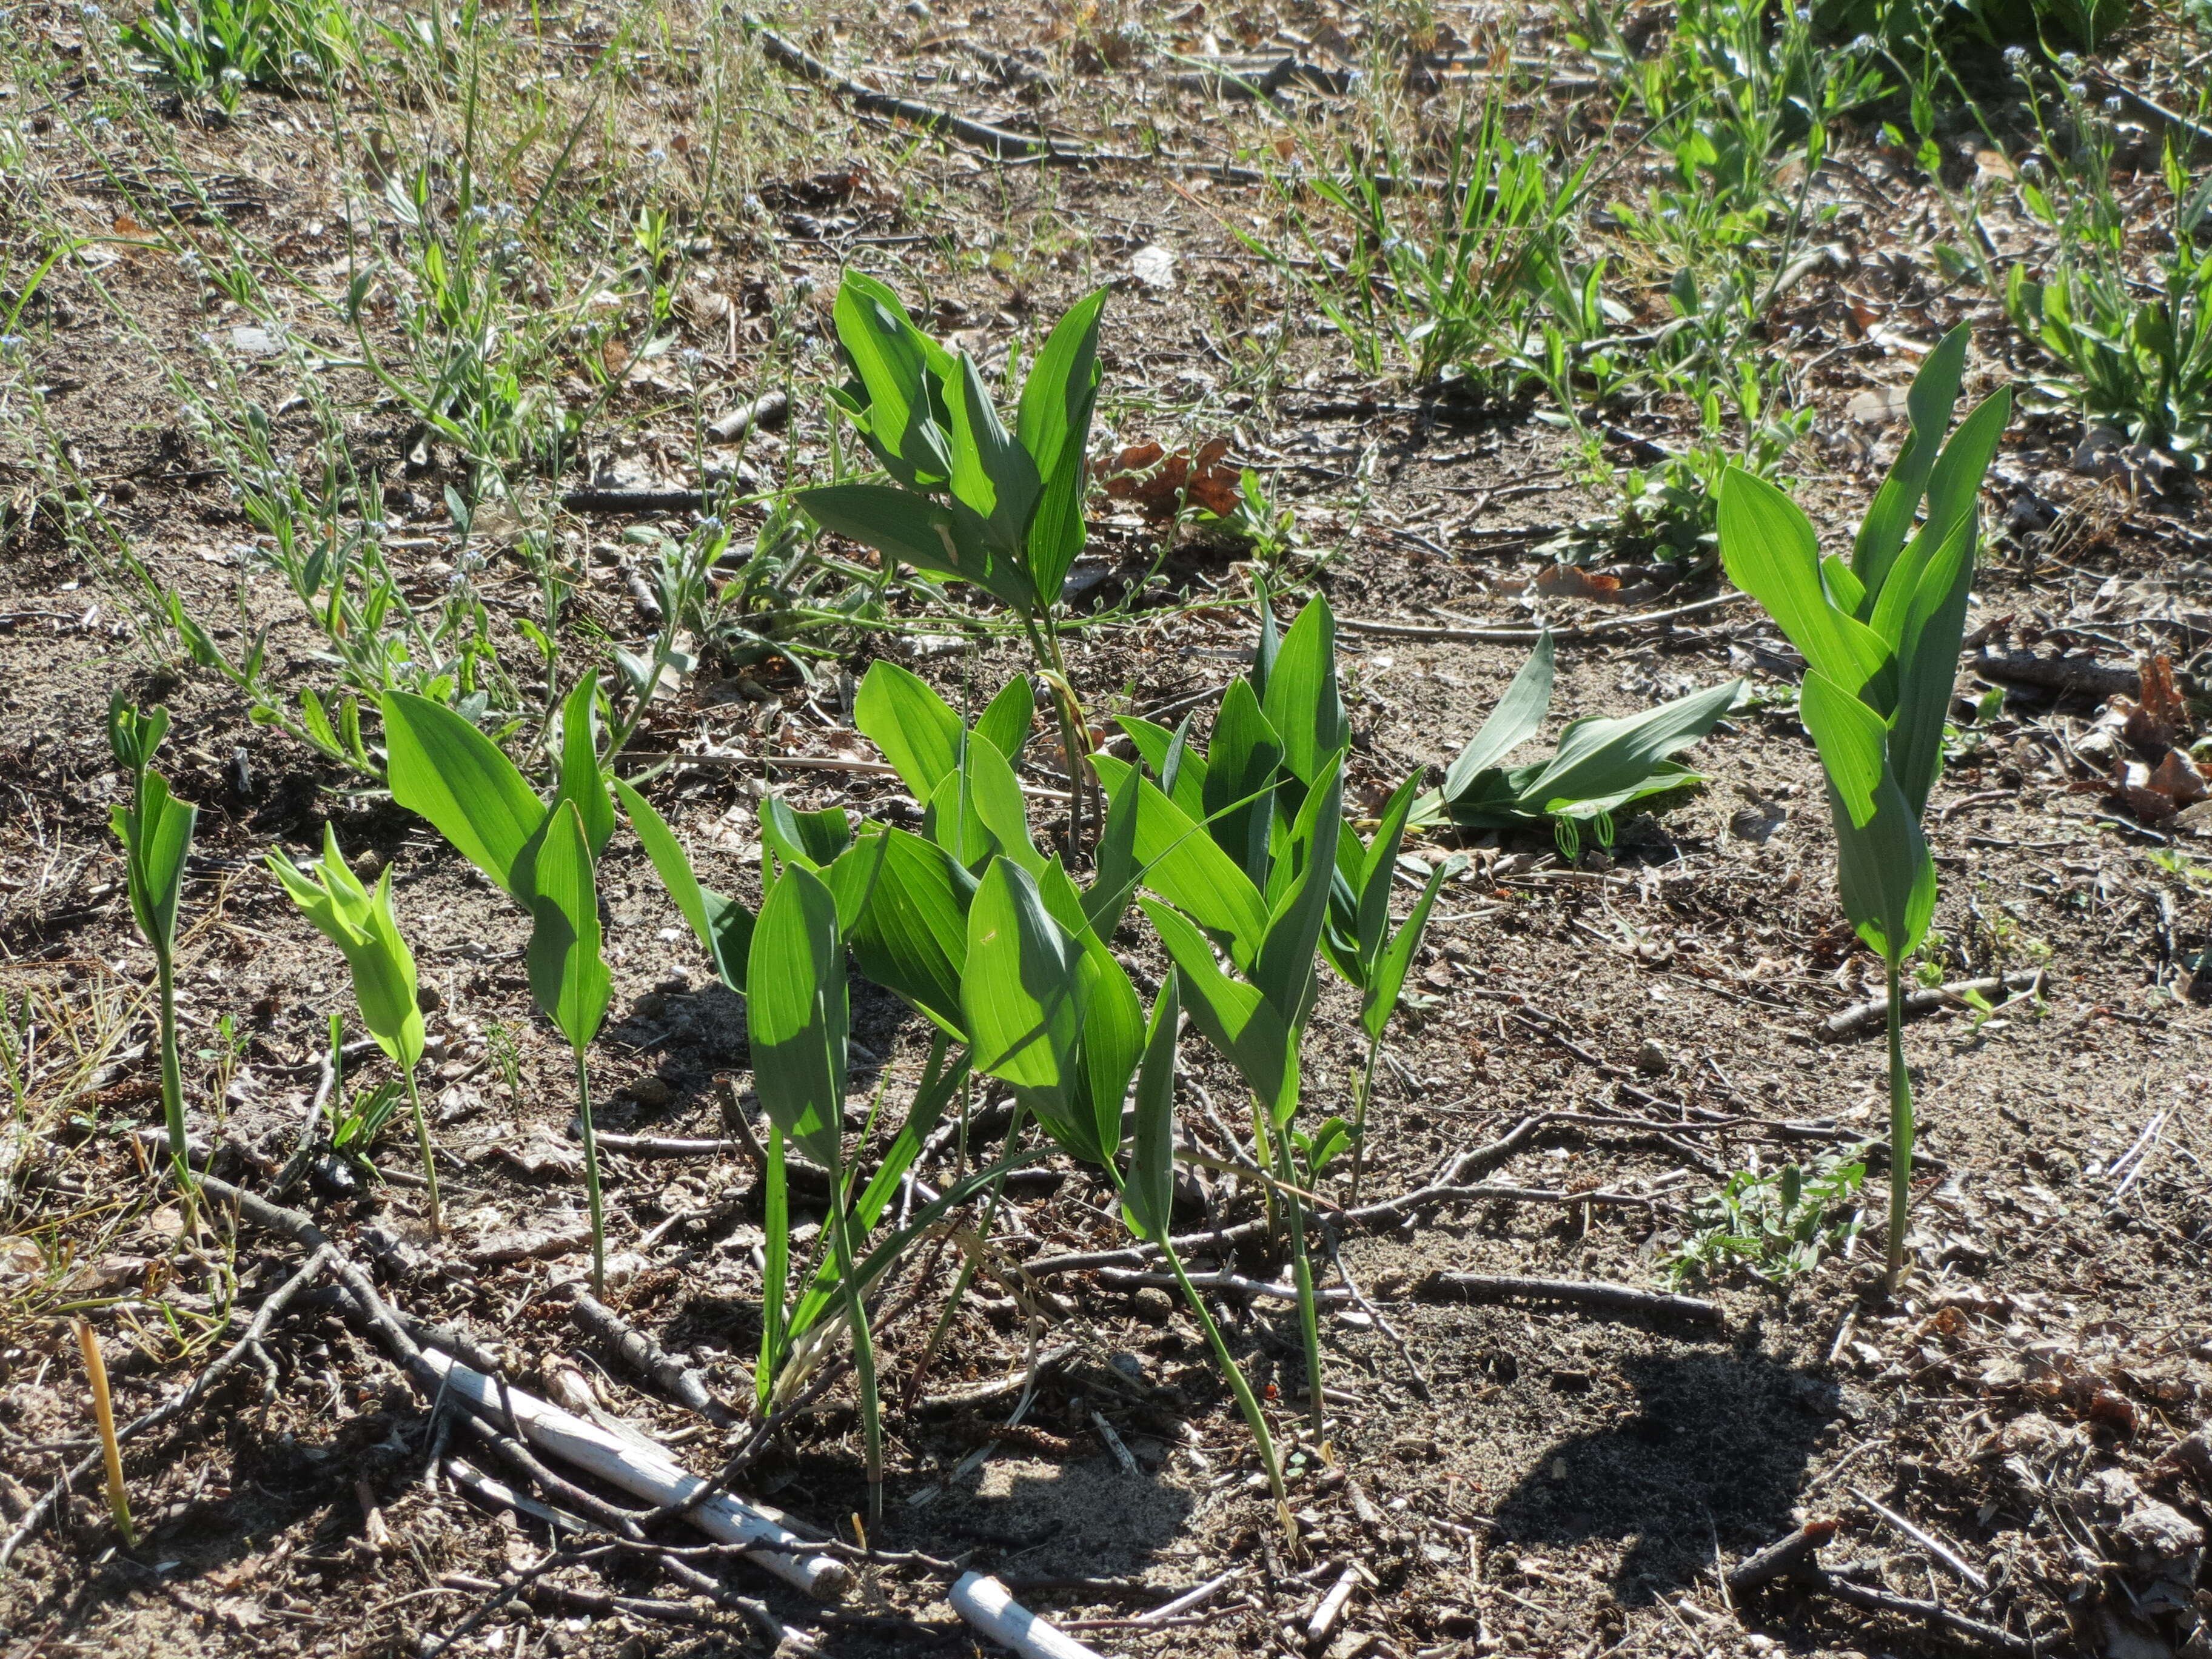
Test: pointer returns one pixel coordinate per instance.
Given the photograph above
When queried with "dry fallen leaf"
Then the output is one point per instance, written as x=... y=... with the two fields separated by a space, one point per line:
x=1571 y=581
x=1157 y=482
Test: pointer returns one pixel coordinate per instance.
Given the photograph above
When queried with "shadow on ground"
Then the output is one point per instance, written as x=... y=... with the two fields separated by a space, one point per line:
x=1711 y=1459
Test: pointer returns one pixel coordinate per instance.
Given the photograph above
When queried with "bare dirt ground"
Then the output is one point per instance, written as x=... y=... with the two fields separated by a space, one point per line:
x=2018 y=1444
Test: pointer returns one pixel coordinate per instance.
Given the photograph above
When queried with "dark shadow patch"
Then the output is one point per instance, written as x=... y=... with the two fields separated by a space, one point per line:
x=1714 y=1456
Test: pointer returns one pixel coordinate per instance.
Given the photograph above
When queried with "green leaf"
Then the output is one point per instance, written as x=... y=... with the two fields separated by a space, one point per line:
x=1178 y=768
x=1301 y=699
x=581 y=781
x=1054 y=425
x=157 y=835
x=816 y=839
x=1115 y=869
x=1240 y=771
x=912 y=937
x=1884 y=874
x=1019 y=994
x=1388 y=978
x=1286 y=972
x=1853 y=743
x=1928 y=664
x=796 y=1014
x=893 y=360
x=568 y=979
x=1148 y=1195
x=1771 y=554
x=723 y=925
x=1005 y=724
x=1882 y=531
x=1182 y=865
x=1236 y=1017
x=992 y=474
x=903 y=526
x=442 y=769
x=1601 y=757
x=978 y=811
x=1113 y=1027
x=1518 y=718
x=363 y=927
x=1377 y=869
x=917 y=731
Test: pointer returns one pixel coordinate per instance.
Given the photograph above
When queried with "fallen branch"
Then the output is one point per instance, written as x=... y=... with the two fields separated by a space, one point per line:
x=764 y=413
x=2060 y=675
x=1531 y=635
x=1869 y=1599
x=1785 y=1558
x=641 y=1353
x=1871 y=1016
x=990 y=1607
x=1588 y=1293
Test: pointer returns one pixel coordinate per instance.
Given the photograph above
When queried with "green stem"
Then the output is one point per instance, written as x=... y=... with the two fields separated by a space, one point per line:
x=1302 y=1274
x=592 y=1177
x=172 y=1071
x=775 y=1278
x=1263 y=1154
x=1900 y=1134
x=422 y=1139
x=1044 y=645
x=1247 y=1402
x=1359 y=1114
x=864 y=1351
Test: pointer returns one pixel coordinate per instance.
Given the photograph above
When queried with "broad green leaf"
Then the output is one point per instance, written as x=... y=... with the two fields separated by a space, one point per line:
x=1178 y=768
x=992 y=474
x=1301 y=699
x=158 y=836
x=1952 y=495
x=851 y=877
x=1928 y=664
x=1115 y=869
x=814 y=839
x=1517 y=717
x=1392 y=961
x=723 y=925
x=1236 y=1019
x=796 y=1014
x=1182 y=865
x=1148 y=1195
x=1882 y=531
x=912 y=938
x=567 y=978
x=442 y=769
x=1019 y=994
x=1005 y=724
x=1771 y=554
x=1600 y=757
x=363 y=927
x=1853 y=742
x=580 y=780
x=893 y=360
x=1113 y=1027
x=1286 y=972
x=977 y=812
x=1376 y=869
x=1241 y=764
x=917 y=731
x=1884 y=875
x=898 y=524
x=1054 y=425
x=1844 y=589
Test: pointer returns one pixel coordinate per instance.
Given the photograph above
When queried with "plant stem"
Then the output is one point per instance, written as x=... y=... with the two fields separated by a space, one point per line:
x=775 y=1278
x=864 y=1351
x=1247 y=1402
x=592 y=1177
x=1044 y=645
x=172 y=1071
x=422 y=1139
x=1900 y=1134
x=1302 y=1274
x=1263 y=1154
x=103 y=1412
x=1359 y=1114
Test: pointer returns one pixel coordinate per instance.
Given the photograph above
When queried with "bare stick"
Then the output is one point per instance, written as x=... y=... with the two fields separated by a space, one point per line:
x=641 y=1353
x=1870 y=1599
x=1863 y=1017
x=1531 y=635
x=1588 y=1293
x=1785 y=1558
x=1933 y=1545
x=990 y=1607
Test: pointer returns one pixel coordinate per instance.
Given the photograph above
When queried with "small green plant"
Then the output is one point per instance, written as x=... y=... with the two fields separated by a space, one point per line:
x=1240 y=846
x=1000 y=509
x=1775 y=1224
x=1879 y=636
x=156 y=833
x=217 y=48
x=541 y=854
x=361 y=924
x=1600 y=767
